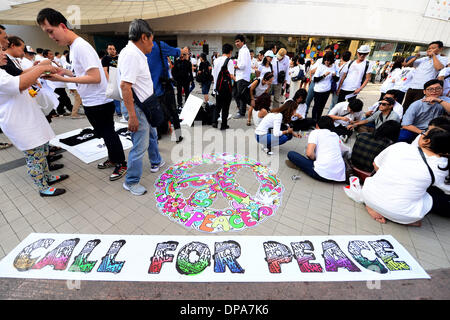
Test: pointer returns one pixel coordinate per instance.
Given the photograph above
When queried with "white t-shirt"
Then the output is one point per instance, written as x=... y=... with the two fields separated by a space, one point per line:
x=271 y=120
x=263 y=70
x=133 y=68
x=389 y=83
x=84 y=58
x=329 y=163
x=398 y=189
x=341 y=110
x=354 y=75
x=256 y=119
x=218 y=64
x=445 y=73
x=26 y=64
x=281 y=65
x=425 y=71
x=301 y=110
x=324 y=85
x=21 y=118
x=403 y=80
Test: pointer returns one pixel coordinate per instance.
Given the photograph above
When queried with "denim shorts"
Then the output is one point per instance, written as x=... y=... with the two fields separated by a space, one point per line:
x=205 y=87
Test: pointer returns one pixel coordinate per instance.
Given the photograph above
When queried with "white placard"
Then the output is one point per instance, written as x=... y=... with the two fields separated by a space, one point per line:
x=210 y=259
x=190 y=110
x=91 y=150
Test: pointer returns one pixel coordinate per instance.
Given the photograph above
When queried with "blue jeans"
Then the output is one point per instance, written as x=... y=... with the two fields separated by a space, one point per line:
x=306 y=165
x=118 y=109
x=406 y=136
x=123 y=109
x=334 y=100
x=269 y=140
x=310 y=96
x=145 y=139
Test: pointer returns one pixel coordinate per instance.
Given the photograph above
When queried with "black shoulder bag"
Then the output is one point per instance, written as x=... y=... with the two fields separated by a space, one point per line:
x=428 y=166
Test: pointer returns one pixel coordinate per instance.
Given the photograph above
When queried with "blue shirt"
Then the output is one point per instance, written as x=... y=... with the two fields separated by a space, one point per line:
x=155 y=64
x=420 y=113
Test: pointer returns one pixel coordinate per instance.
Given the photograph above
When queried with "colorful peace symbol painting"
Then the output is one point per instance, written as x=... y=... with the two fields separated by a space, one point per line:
x=196 y=210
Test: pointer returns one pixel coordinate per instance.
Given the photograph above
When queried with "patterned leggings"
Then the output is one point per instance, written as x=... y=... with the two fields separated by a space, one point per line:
x=38 y=167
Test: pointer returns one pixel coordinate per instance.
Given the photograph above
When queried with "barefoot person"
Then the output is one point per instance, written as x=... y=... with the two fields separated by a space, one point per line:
x=398 y=191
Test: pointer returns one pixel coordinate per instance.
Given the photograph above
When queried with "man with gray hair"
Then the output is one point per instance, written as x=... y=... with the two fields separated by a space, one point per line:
x=137 y=90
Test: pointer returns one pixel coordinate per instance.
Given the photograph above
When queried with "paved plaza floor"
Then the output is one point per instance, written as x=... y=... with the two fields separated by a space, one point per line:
x=94 y=205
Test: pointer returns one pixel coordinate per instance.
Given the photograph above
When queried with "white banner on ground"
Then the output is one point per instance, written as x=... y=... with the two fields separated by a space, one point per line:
x=190 y=110
x=210 y=259
x=91 y=150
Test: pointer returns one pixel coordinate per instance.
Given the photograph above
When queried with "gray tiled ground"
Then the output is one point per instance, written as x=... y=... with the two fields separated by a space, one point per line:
x=93 y=204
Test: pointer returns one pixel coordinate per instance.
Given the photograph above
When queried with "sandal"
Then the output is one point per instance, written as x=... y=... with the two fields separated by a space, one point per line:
x=249 y=123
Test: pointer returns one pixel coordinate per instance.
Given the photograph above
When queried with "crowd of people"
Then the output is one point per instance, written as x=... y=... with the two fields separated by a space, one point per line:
x=402 y=147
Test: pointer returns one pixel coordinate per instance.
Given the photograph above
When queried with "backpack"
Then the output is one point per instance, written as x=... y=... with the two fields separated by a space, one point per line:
x=365 y=70
x=224 y=83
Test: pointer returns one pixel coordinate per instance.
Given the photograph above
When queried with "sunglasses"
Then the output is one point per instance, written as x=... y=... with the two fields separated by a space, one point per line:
x=384 y=104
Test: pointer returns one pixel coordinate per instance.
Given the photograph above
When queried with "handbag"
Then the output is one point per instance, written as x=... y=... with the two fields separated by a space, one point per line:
x=112 y=88
x=151 y=109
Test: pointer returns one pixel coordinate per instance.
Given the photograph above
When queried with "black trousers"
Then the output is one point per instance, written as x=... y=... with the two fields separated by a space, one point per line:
x=340 y=130
x=168 y=104
x=320 y=100
x=241 y=103
x=222 y=104
x=102 y=120
x=64 y=101
x=441 y=201
x=302 y=124
x=180 y=86
x=342 y=95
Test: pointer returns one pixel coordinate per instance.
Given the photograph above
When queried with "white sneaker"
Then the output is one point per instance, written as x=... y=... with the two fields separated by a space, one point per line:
x=155 y=167
x=135 y=189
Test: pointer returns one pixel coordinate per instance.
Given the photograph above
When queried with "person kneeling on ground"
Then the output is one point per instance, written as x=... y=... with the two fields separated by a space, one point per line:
x=270 y=132
x=323 y=159
x=343 y=114
x=398 y=190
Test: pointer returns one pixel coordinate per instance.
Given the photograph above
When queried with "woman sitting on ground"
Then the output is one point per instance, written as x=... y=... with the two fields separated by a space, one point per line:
x=368 y=145
x=323 y=159
x=273 y=130
x=299 y=120
x=260 y=98
x=398 y=191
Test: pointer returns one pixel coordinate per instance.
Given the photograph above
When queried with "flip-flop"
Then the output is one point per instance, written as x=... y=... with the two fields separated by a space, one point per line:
x=57 y=179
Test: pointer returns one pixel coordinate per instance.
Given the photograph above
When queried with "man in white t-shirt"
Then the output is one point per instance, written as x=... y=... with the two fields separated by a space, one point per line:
x=427 y=68
x=136 y=83
x=91 y=82
x=345 y=113
x=281 y=78
x=323 y=159
x=243 y=70
x=356 y=75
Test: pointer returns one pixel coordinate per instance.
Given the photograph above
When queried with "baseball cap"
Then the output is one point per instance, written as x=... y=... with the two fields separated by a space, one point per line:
x=269 y=53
